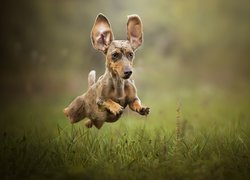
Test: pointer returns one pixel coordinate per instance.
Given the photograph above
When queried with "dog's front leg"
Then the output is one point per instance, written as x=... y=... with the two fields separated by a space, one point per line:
x=110 y=105
x=133 y=100
x=136 y=106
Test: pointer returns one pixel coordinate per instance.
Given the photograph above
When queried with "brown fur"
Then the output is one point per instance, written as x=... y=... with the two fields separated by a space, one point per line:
x=105 y=99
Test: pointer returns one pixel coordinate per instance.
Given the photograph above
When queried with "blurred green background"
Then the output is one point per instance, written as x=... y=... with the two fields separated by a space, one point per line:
x=193 y=71
x=189 y=46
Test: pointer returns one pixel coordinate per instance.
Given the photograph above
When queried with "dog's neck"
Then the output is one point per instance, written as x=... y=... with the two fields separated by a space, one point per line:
x=118 y=84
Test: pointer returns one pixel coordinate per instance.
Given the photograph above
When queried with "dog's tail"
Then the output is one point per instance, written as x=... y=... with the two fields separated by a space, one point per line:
x=91 y=78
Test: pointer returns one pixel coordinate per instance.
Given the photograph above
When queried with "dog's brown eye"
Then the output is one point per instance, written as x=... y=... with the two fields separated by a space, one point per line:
x=130 y=55
x=115 y=56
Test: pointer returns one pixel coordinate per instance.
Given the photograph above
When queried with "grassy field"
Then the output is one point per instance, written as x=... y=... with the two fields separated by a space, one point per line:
x=198 y=134
x=192 y=70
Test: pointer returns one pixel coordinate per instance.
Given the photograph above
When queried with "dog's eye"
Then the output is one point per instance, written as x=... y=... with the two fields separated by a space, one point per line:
x=115 y=56
x=130 y=55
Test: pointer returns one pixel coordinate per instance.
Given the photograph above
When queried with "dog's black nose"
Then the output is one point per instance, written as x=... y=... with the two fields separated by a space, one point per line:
x=127 y=74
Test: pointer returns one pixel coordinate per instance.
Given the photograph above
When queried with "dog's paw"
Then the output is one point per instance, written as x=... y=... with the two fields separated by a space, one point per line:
x=144 y=111
x=116 y=109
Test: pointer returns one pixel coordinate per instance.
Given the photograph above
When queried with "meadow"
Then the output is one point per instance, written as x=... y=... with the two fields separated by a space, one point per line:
x=198 y=134
x=192 y=70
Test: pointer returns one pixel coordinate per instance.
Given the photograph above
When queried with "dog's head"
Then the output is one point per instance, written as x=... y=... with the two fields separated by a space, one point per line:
x=119 y=53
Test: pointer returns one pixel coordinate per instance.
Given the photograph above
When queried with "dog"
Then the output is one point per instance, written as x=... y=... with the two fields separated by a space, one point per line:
x=107 y=97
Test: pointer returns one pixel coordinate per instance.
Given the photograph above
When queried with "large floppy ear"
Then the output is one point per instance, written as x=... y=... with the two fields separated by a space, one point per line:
x=134 y=30
x=101 y=33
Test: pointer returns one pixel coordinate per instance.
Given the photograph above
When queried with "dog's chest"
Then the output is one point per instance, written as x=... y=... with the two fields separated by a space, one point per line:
x=120 y=98
x=119 y=95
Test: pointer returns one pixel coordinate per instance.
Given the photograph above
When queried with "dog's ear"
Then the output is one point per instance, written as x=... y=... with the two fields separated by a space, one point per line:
x=134 y=30
x=101 y=33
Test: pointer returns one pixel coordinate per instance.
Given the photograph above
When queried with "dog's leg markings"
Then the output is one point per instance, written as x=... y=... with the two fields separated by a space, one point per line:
x=111 y=106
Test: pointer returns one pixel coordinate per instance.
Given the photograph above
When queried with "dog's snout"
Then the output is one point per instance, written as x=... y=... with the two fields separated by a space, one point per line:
x=127 y=74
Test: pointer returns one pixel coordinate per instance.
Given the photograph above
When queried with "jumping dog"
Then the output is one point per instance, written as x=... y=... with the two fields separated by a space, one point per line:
x=106 y=98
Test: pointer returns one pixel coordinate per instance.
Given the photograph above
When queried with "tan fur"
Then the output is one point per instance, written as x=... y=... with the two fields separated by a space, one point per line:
x=105 y=99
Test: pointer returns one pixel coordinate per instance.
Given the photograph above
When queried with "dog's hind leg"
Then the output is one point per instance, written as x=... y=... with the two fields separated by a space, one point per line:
x=76 y=110
x=91 y=78
x=88 y=123
x=98 y=124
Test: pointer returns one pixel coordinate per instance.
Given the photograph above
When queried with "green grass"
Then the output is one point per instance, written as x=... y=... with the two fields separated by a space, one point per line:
x=37 y=142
